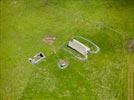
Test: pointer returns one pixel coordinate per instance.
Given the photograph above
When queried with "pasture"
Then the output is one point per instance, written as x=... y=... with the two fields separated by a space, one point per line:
x=24 y=28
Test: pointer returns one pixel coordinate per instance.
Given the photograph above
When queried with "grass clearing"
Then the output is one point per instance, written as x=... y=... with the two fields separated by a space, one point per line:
x=104 y=76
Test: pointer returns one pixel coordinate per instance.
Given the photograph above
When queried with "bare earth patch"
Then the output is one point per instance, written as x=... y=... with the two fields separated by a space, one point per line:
x=131 y=45
x=49 y=40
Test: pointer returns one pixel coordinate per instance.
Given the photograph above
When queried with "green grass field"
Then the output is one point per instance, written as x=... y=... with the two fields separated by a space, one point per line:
x=104 y=76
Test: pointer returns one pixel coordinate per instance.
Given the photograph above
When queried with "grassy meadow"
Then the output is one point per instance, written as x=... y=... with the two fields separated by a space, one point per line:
x=104 y=76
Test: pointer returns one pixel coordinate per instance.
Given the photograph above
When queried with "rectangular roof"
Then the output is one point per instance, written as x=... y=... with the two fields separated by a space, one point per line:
x=78 y=46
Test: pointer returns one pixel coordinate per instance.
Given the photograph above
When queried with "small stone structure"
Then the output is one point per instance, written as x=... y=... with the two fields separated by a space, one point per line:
x=79 y=47
x=82 y=49
x=38 y=57
x=62 y=64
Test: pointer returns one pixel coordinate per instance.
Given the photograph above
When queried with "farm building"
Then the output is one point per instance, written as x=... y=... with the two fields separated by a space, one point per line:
x=38 y=57
x=79 y=47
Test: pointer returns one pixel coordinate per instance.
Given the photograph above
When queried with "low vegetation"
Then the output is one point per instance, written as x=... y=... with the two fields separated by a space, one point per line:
x=32 y=26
